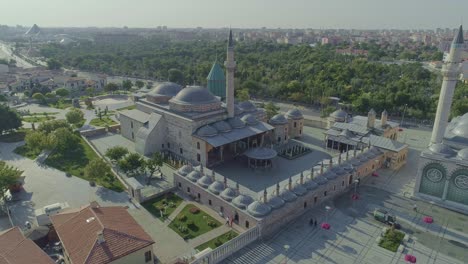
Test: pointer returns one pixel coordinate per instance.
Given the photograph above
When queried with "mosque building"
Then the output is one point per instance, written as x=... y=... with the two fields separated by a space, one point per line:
x=204 y=125
x=443 y=166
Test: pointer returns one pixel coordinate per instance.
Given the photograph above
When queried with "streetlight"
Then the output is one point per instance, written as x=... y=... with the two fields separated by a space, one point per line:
x=355 y=188
x=286 y=248
x=403 y=116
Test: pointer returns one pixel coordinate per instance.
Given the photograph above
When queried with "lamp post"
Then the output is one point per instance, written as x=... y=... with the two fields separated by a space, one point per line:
x=327 y=208
x=286 y=248
x=403 y=116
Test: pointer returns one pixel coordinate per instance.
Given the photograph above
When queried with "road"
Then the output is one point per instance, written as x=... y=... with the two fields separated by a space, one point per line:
x=7 y=53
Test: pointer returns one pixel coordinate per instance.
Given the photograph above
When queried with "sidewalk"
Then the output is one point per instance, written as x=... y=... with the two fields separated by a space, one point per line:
x=209 y=236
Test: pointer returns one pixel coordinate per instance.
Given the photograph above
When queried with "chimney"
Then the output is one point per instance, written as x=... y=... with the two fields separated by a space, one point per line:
x=100 y=237
x=383 y=118
x=371 y=118
x=265 y=196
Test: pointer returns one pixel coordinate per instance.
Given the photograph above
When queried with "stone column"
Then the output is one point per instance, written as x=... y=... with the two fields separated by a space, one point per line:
x=444 y=195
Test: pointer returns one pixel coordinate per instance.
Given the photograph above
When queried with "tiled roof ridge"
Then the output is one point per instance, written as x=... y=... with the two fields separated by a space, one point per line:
x=97 y=217
x=96 y=244
x=22 y=241
x=71 y=212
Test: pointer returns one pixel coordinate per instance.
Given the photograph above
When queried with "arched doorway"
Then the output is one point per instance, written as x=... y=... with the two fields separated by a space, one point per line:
x=236 y=218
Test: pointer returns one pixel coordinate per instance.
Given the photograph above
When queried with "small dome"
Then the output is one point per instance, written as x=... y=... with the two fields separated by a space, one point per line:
x=463 y=154
x=363 y=158
x=341 y=114
x=320 y=180
x=338 y=170
x=461 y=130
x=249 y=120
x=237 y=110
x=310 y=185
x=275 y=201
x=194 y=95
x=330 y=175
x=258 y=209
x=356 y=162
x=442 y=149
x=294 y=114
x=278 y=119
x=299 y=190
x=228 y=194
x=247 y=106
x=372 y=112
x=288 y=196
x=205 y=181
x=207 y=131
x=347 y=166
x=166 y=89
x=236 y=122
x=222 y=126
x=242 y=201
x=184 y=170
x=194 y=176
x=216 y=187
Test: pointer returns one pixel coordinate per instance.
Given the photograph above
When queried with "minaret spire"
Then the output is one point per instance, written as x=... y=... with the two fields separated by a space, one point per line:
x=230 y=65
x=450 y=72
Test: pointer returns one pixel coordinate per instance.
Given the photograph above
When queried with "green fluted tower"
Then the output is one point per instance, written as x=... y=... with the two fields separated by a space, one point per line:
x=217 y=81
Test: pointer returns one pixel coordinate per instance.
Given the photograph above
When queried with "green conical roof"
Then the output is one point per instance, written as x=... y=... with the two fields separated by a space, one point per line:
x=216 y=73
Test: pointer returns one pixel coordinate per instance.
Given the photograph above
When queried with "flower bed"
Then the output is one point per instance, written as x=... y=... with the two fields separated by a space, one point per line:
x=166 y=203
x=391 y=240
x=190 y=225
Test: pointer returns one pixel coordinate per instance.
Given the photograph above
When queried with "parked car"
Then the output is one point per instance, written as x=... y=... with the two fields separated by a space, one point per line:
x=383 y=216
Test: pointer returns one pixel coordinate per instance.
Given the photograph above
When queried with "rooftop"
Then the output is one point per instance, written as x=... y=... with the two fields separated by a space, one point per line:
x=136 y=114
x=16 y=249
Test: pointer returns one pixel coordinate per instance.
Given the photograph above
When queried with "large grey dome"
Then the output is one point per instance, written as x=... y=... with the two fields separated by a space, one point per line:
x=194 y=176
x=222 y=126
x=166 y=89
x=258 y=209
x=236 y=122
x=205 y=181
x=242 y=201
x=461 y=130
x=184 y=170
x=247 y=106
x=294 y=114
x=339 y=114
x=463 y=154
x=216 y=187
x=442 y=149
x=207 y=131
x=275 y=201
x=228 y=194
x=288 y=196
x=278 y=119
x=194 y=95
x=249 y=120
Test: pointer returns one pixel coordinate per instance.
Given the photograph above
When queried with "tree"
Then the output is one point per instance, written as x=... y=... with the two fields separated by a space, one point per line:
x=175 y=75
x=132 y=163
x=53 y=64
x=52 y=125
x=35 y=140
x=75 y=117
x=66 y=140
x=62 y=92
x=242 y=95
x=96 y=168
x=271 y=109
x=127 y=85
x=9 y=119
x=90 y=91
x=111 y=87
x=116 y=153
x=154 y=163
x=139 y=84
x=39 y=97
x=8 y=176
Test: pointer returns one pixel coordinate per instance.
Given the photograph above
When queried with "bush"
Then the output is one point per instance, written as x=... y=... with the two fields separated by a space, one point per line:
x=190 y=223
x=194 y=210
x=211 y=223
x=183 y=218
x=218 y=242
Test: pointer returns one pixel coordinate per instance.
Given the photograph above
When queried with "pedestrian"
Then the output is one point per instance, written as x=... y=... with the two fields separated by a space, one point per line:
x=315 y=223
x=415 y=207
x=227 y=220
x=311 y=222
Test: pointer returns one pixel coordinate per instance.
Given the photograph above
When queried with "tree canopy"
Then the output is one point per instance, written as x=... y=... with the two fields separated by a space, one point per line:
x=116 y=153
x=9 y=119
x=9 y=175
x=75 y=117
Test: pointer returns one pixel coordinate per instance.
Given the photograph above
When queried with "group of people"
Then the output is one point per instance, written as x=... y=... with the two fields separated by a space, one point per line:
x=313 y=222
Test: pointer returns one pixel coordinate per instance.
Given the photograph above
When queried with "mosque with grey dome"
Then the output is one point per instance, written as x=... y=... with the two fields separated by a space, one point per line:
x=205 y=125
x=443 y=166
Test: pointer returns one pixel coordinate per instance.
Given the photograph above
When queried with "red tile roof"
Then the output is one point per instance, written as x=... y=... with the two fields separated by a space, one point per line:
x=17 y=249
x=78 y=232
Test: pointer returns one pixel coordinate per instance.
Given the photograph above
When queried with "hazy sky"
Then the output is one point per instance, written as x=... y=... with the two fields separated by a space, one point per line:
x=364 y=14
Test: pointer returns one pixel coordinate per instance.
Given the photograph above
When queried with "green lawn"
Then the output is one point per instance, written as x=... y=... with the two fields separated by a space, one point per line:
x=105 y=121
x=190 y=225
x=131 y=107
x=168 y=201
x=37 y=119
x=392 y=240
x=15 y=136
x=218 y=241
x=61 y=104
x=27 y=152
x=76 y=160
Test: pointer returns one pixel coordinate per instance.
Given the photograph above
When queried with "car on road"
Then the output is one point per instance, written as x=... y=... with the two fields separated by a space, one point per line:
x=385 y=217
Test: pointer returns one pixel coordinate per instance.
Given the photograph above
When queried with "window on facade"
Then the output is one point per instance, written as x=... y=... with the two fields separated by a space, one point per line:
x=325 y=193
x=148 y=256
x=198 y=145
x=315 y=199
x=188 y=189
x=180 y=134
x=199 y=196
x=162 y=145
x=294 y=124
x=133 y=136
x=209 y=202
x=334 y=187
x=342 y=183
x=247 y=224
x=221 y=209
x=300 y=131
x=198 y=157
x=305 y=204
x=181 y=151
x=131 y=124
x=180 y=185
x=279 y=139
x=285 y=138
x=373 y=166
x=168 y=145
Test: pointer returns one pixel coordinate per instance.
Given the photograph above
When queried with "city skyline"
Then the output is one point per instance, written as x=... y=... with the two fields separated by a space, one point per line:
x=333 y=14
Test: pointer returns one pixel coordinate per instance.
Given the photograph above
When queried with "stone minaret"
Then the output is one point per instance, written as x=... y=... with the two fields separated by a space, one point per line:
x=230 y=65
x=451 y=72
x=371 y=118
x=384 y=117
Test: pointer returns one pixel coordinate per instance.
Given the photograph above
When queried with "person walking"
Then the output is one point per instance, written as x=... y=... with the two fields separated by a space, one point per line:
x=315 y=223
x=415 y=207
x=311 y=222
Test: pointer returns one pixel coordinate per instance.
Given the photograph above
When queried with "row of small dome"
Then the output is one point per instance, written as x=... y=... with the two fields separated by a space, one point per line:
x=459 y=126
x=275 y=200
x=448 y=152
x=222 y=126
x=281 y=119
